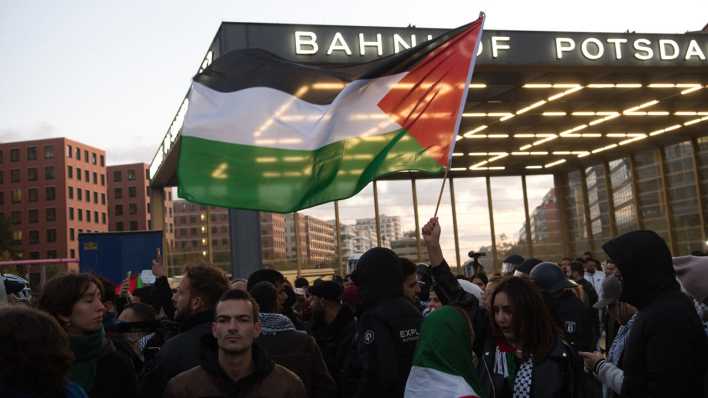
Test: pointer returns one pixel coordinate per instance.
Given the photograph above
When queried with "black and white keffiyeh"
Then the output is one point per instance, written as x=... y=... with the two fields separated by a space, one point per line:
x=524 y=379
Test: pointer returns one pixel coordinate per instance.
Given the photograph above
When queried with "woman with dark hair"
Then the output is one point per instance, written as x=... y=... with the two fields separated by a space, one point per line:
x=525 y=356
x=74 y=300
x=34 y=356
x=137 y=324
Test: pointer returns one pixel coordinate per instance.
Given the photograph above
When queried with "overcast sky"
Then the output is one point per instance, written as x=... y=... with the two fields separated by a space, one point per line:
x=112 y=74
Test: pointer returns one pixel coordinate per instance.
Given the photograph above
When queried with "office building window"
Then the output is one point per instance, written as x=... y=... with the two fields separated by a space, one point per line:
x=132 y=209
x=78 y=174
x=88 y=196
x=51 y=214
x=87 y=175
x=51 y=235
x=33 y=216
x=71 y=234
x=2 y=180
x=50 y=193
x=117 y=176
x=16 y=217
x=93 y=158
x=118 y=193
x=32 y=174
x=132 y=192
x=119 y=226
x=79 y=215
x=17 y=237
x=103 y=218
x=14 y=155
x=32 y=153
x=71 y=213
x=2 y=198
x=72 y=253
x=119 y=210
x=95 y=178
x=131 y=175
x=49 y=173
x=78 y=154
x=15 y=175
x=49 y=152
x=95 y=217
x=71 y=192
x=32 y=194
x=33 y=237
x=69 y=152
x=95 y=197
x=103 y=180
x=51 y=254
x=16 y=196
x=103 y=161
x=70 y=171
x=79 y=194
x=86 y=157
x=103 y=198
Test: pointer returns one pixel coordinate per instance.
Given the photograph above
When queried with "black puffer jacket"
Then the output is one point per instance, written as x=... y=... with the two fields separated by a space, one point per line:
x=666 y=352
x=335 y=340
x=388 y=327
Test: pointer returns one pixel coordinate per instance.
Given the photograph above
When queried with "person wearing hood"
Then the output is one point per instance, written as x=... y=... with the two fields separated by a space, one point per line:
x=74 y=300
x=388 y=327
x=666 y=352
x=231 y=363
x=194 y=302
x=289 y=347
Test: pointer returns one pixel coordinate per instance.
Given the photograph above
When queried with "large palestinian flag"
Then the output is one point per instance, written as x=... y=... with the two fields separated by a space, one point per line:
x=268 y=134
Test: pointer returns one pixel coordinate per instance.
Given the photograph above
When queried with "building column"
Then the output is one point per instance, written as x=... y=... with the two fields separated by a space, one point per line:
x=699 y=190
x=560 y=182
x=414 y=192
x=376 y=215
x=495 y=264
x=610 y=199
x=245 y=234
x=661 y=158
x=634 y=178
x=529 y=242
x=454 y=223
x=338 y=251
x=586 y=209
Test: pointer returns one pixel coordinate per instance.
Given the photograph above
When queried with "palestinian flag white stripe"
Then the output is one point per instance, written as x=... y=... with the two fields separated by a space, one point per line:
x=267 y=117
x=427 y=382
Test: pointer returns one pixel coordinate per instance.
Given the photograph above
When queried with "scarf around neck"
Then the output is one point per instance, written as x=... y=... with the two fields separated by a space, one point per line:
x=517 y=374
x=87 y=349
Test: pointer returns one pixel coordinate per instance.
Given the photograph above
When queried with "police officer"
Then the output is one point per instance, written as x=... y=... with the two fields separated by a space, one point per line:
x=387 y=329
x=569 y=312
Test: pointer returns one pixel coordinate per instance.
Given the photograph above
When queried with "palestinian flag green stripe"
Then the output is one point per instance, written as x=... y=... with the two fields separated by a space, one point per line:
x=286 y=180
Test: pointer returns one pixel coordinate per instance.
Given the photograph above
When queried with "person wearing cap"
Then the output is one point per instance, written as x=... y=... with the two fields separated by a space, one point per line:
x=666 y=352
x=333 y=329
x=609 y=371
x=524 y=269
x=510 y=263
x=568 y=312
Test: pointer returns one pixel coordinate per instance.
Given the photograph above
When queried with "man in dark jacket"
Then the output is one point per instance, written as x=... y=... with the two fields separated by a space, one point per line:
x=388 y=327
x=194 y=301
x=231 y=364
x=666 y=352
x=333 y=328
x=288 y=347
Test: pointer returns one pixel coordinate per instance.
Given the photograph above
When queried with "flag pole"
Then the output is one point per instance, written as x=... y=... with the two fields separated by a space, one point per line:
x=442 y=188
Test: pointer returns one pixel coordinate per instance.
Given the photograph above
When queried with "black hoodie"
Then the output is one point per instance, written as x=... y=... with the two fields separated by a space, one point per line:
x=388 y=327
x=666 y=351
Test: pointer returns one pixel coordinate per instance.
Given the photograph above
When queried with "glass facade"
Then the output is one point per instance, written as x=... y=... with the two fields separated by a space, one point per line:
x=564 y=215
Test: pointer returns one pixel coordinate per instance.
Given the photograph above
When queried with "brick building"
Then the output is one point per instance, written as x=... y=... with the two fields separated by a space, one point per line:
x=129 y=201
x=51 y=190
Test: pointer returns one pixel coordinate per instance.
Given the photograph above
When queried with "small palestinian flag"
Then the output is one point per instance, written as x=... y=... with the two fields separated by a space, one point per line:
x=443 y=366
x=265 y=133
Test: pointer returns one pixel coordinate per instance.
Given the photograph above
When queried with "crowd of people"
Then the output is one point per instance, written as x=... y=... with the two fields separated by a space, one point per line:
x=635 y=325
